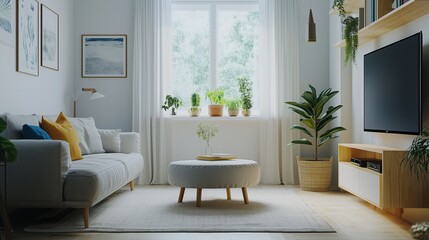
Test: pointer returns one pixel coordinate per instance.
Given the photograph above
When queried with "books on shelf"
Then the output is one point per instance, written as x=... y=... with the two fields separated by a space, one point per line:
x=216 y=156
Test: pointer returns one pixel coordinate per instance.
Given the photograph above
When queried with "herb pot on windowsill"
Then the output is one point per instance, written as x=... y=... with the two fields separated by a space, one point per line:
x=215 y=110
x=245 y=112
x=194 y=111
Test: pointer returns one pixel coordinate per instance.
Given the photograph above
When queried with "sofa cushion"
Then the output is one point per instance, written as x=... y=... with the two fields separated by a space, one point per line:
x=111 y=140
x=89 y=138
x=62 y=129
x=33 y=132
x=15 y=123
x=96 y=176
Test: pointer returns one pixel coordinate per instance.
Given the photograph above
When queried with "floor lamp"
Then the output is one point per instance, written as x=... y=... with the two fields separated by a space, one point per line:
x=95 y=95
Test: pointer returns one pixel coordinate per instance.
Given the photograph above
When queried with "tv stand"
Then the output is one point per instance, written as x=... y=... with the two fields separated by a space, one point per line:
x=396 y=187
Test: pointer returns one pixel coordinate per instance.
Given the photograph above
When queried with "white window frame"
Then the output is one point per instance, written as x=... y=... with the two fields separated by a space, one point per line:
x=213 y=6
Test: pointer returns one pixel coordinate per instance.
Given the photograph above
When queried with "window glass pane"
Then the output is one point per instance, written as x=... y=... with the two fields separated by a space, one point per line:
x=191 y=54
x=238 y=50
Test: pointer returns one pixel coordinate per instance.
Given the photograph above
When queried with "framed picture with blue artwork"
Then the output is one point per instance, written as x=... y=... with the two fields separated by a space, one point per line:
x=50 y=38
x=27 y=37
x=7 y=22
x=104 y=56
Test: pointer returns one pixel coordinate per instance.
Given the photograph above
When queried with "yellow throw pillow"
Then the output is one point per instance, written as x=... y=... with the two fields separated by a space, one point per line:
x=62 y=129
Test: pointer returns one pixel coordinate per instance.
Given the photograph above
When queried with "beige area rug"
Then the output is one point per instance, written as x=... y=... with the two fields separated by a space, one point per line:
x=155 y=209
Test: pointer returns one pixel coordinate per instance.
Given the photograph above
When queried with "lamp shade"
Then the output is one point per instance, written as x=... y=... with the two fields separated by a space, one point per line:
x=311 y=28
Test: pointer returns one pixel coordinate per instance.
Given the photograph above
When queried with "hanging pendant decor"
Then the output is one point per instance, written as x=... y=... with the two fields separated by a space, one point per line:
x=311 y=28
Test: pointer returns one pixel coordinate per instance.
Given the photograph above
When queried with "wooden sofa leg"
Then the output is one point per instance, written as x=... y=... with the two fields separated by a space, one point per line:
x=86 y=217
x=132 y=185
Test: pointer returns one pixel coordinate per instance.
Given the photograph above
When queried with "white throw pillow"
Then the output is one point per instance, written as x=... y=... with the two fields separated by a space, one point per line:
x=111 y=140
x=90 y=140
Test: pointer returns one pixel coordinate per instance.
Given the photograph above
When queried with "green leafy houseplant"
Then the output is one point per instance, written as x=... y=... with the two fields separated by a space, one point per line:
x=246 y=92
x=351 y=37
x=417 y=160
x=339 y=5
x=173 y=103
x=233 y=106
x=217 y=100
x=207 y=131
x=314 y=118
x=195 y=110
x=7 y=149
x=417 y=155
x=216 y=96
x=8 y=153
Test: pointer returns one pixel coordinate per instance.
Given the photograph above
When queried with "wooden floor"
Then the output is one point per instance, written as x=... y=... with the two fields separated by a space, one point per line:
x=348 y=215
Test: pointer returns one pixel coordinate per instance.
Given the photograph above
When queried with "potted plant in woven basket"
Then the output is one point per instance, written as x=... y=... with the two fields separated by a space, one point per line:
x=315 y=173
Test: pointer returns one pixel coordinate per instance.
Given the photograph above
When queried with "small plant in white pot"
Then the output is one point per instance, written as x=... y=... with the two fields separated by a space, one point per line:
x=233 y=106
x=315 y=174
x=195 y=110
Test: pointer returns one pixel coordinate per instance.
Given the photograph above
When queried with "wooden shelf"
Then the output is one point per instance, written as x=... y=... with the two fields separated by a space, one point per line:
x=404 y=14
x=350 y=6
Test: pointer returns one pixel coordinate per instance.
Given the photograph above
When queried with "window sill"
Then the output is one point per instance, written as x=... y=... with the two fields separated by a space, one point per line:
x=208 y=118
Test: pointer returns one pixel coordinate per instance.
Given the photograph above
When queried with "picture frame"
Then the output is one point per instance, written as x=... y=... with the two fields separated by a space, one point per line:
x=104 y=56
x=50 y=38
x=27 y=38
x=8 y=22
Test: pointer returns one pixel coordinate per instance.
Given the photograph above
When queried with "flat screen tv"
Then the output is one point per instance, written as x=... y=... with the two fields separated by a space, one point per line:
x=392 y=87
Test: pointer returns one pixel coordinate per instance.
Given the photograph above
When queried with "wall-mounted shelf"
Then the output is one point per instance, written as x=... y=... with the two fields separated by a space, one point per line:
x=404 y=14
x=350 y=6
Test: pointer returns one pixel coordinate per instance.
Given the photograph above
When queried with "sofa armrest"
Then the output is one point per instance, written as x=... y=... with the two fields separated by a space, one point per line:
x=38 y=174
x=130 y=142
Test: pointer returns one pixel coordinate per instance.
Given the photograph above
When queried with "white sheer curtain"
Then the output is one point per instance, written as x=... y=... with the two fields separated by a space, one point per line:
x=150 y=70
x=279 y=74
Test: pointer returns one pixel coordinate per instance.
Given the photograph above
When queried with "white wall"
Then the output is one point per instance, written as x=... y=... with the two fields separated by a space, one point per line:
x=104 y=17
x=314 y=56
x=353 y=100
x=50 y=92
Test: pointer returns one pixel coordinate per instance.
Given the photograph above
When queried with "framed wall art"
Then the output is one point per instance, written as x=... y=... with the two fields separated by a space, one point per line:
x=104 y=56
x=50 y=38
x=7 y=22
x=27 y=43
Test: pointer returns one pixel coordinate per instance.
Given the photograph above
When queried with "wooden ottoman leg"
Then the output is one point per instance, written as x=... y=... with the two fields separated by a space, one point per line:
x=86 y=217
x=181 y=194
x=228 y=193
x=245 y=197
x=199 y=191
x=131 y=185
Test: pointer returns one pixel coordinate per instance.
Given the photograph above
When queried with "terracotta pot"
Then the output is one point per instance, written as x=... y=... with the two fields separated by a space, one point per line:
x=234 y=112
x=194 y=111
x=314 y=175
x=215 y=110
x=245 y=112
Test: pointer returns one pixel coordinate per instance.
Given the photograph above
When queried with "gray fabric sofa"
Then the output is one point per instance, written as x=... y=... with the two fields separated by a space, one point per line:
x=44 y=176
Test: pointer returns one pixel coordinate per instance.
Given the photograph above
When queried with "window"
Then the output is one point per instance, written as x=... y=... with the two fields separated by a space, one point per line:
x=212 y=45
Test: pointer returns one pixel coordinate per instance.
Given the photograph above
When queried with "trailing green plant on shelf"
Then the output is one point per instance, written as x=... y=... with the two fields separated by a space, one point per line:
x=351 y=37
x=314 y=117
x=173 y=103
x=350 y=33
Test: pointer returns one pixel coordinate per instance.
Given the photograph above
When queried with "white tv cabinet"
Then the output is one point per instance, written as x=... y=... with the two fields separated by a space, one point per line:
x=396 y=187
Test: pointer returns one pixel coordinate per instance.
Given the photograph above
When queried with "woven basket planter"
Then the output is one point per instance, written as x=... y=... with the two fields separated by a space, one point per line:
x=314 y=175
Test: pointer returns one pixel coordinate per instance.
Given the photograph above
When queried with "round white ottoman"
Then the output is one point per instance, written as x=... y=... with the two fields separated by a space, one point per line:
x=201 y=174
